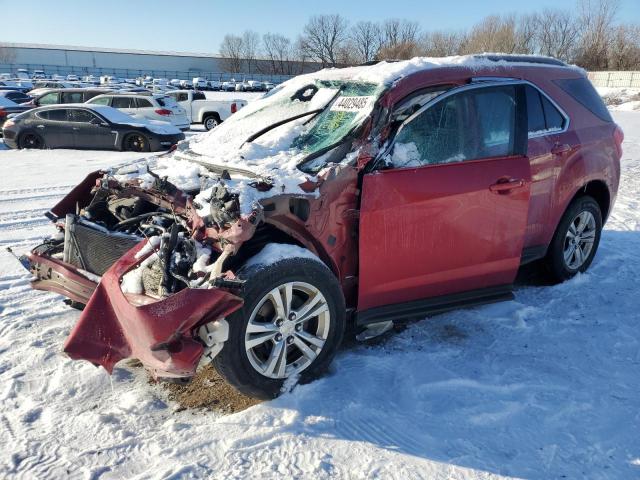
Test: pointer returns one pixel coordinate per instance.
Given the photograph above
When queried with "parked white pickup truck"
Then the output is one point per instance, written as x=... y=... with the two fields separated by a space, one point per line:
x=207 y=112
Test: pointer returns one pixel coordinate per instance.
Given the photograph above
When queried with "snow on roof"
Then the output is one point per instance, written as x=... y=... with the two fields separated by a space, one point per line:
x=388 y=72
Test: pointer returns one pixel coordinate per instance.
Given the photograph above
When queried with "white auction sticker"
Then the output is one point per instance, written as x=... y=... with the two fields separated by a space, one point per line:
x=351 y=104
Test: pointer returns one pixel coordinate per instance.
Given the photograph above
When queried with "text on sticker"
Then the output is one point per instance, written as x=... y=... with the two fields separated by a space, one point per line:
x=350 y=104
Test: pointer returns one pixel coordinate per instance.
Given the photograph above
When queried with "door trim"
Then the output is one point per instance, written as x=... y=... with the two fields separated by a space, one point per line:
x=433 y=305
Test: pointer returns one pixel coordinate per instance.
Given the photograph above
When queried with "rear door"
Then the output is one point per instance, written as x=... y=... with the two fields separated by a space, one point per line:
x=91 y=131
x=52 y=125
x=126 y=104
x=449 y=216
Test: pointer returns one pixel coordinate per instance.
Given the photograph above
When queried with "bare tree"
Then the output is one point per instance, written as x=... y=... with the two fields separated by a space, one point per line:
x=557 y=32
x=596 y=26
x=279 y=52
x=323 y=37
x=399 y=51
x=397 y=31
x=624 y=52
x=492 y=34
x=232 y=52
x=250 y=49
x=365 y=40
x=441 y=44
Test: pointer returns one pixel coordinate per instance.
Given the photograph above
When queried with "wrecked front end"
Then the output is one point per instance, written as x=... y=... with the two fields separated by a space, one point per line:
x=147 y=270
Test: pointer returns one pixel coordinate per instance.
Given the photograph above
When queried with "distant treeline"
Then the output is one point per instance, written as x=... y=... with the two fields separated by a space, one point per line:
x=590 y=36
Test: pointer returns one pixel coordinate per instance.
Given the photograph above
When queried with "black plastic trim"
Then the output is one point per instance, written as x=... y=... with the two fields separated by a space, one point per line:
x=430 y=306
x=531 y=254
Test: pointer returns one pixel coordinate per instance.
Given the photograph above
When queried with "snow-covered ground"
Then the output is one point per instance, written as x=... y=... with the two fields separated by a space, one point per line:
x=545 y=386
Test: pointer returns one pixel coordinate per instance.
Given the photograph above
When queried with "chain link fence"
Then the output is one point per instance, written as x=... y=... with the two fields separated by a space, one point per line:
x=133 y=73
x=615 y=79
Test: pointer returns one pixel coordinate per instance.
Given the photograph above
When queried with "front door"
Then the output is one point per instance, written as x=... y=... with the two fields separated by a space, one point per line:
x=91 y=131
x=448 y=212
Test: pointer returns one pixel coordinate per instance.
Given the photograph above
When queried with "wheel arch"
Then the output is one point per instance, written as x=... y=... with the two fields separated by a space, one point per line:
x=599 y=190
x=211 y=113
x=274 y=232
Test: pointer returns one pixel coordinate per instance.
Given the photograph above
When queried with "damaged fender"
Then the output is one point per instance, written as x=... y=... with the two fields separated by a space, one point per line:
x=114 y=325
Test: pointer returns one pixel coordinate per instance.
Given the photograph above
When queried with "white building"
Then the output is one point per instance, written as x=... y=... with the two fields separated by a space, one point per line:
x=63 y=59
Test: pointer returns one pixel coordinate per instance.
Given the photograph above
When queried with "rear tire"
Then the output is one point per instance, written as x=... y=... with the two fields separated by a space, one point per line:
x=136 y=142
x=210 y=122
x=31 y=140
x=263 y=348
x=576 y=240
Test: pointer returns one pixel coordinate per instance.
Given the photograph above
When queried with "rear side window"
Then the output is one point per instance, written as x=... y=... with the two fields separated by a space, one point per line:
x=535 y=113
x=196 y=96
x=71 y=97
x=554 y=119
x=59 y=115
x=543 y=116
x=584 y=93
x=123 y=102
x=48 y=99
x=143 y=103
x=101 y=101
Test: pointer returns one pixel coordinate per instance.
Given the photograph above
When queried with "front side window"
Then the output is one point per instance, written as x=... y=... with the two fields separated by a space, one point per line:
x=81 y=116
x=468 y=125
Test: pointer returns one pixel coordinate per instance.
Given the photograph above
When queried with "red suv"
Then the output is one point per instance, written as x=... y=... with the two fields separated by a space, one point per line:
x=343 y=200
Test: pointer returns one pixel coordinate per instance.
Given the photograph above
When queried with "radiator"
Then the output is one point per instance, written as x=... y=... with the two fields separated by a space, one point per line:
x=91 y=248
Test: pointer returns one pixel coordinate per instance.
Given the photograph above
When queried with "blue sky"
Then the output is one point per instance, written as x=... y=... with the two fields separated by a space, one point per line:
x=199 y=26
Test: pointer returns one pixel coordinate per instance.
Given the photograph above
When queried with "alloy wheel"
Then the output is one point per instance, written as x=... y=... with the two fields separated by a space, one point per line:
x=136 y=143
x=32 y=141
x=287 y=330
x=210 y=123
x=579 y=239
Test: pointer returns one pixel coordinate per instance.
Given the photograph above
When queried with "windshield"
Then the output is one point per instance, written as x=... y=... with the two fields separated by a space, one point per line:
x=328 y=111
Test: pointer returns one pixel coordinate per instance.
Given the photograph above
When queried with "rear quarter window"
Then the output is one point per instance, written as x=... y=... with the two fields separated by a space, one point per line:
x=583 y=92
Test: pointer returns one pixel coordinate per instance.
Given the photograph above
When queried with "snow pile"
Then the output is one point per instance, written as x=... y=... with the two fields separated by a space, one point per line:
x=275 y=252
x=620 y=99
x=182 y=173
x=545 y=386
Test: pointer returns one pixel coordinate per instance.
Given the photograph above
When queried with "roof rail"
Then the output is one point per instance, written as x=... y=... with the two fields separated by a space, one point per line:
x=537 y=59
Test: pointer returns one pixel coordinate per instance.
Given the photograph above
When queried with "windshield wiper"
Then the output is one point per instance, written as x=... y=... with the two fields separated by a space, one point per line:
x=259 y=133
x=191 y=156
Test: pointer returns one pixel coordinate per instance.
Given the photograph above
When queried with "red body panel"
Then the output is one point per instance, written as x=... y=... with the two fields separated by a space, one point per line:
x=439 y=229
x=112 y=328
x=422 y=232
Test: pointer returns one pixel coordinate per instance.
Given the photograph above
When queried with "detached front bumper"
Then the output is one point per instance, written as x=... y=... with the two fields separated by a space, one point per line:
x=114 y=326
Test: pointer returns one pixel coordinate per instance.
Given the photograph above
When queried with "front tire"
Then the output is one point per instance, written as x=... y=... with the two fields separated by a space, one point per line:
x=291 y=324
x=31 y=140
x=576 y=240
x=136 y=142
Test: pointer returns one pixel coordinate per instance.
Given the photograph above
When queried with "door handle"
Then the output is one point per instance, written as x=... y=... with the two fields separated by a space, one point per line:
x=76 y=128
x=506 y=185
x=560 y=148
x=39 y=126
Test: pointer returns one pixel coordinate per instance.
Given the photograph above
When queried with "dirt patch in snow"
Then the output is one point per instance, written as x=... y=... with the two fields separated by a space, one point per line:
x=209 y=391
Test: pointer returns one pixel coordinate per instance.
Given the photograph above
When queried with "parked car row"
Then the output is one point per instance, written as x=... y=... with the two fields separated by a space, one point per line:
x=52 y=119
x=87 y=126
